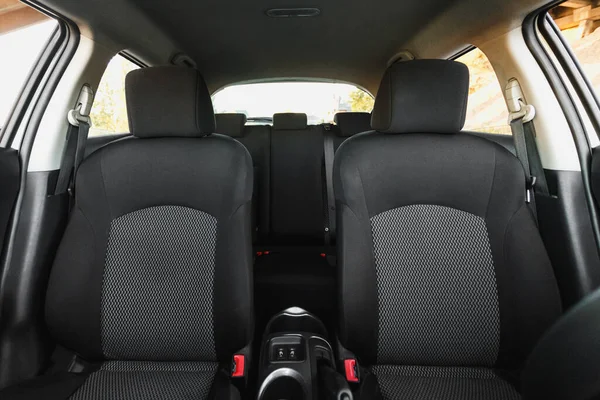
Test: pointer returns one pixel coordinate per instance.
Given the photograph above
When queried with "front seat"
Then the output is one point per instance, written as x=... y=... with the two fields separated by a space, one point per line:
x=445 y=282
x=151 y=286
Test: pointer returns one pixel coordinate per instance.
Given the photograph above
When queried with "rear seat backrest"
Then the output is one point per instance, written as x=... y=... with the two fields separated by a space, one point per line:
x=257 y=140
x=297 y=207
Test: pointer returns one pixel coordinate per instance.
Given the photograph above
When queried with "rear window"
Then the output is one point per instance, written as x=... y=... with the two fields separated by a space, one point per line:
x=319 y=100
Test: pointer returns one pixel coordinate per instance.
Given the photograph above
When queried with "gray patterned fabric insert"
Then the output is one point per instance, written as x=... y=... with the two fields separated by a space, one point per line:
x=132 y=380
x=436 y=284
x=157 y=292
x=442 y=383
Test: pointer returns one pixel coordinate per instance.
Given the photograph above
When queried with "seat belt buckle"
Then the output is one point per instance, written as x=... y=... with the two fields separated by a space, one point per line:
x=238 y=366
x=351 y=370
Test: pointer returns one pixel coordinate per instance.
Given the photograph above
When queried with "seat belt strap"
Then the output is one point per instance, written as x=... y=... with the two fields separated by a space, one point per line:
x=521 y=114
x=328 y=155
x=68 y=160
x=79 y=128
x=518 y=131
x=72 y=157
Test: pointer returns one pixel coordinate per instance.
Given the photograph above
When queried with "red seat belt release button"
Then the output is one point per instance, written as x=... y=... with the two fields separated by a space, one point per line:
x=351 y=368
x=238 y=367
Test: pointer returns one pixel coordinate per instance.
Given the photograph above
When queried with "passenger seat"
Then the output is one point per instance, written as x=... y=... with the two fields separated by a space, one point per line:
x=445 y=284
x=151 y=286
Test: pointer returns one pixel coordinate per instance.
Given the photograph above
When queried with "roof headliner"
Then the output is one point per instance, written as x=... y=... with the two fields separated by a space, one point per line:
x=351 y=41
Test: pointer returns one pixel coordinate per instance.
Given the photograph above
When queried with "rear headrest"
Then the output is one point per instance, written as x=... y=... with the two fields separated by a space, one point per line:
x=231 y=124
x=422 y=96
x=289 y=121
x=351 y=123
x=168 y=101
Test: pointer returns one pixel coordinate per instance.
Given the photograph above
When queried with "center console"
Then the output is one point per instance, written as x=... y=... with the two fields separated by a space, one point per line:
x=297 y=361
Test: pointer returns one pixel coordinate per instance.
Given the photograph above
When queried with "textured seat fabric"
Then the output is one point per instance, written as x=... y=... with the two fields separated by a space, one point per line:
x=452 y=383
x=444 y=278
x=149 y=380
x=152 y=281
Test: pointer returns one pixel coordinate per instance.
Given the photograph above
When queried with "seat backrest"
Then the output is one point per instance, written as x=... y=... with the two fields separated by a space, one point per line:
x=297 y=206
x=349 y=124
x=257 y=139
x=441 y=261
x=155 y=263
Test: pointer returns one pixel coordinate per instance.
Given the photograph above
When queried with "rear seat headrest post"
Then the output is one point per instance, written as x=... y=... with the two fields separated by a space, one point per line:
x=168 y=101
x=427 y=96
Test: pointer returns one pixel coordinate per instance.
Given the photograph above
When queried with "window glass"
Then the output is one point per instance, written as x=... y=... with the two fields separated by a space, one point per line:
x=109 y=111
x=319 y=100
x=579 y=22
x=24 y=33
x=486 y=108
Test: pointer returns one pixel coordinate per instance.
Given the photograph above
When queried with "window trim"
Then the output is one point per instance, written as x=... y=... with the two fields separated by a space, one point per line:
x=533 y=26
x=462 y=52
x=131 y=58
x=573 y=70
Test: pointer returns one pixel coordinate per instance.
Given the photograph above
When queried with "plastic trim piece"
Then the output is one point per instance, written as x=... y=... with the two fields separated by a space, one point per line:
x=572 y=115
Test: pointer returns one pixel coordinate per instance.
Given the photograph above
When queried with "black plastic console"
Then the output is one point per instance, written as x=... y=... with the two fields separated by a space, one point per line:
x=295 y=358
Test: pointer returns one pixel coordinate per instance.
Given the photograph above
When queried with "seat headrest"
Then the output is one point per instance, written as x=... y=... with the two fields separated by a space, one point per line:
x=351 y=123
x=428 y=96
x=289 y=121
x=231 y=124
x=168 y=101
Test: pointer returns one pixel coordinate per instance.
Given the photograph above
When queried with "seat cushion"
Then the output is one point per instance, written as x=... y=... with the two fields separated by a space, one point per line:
x=442 y=383
x=133 y=380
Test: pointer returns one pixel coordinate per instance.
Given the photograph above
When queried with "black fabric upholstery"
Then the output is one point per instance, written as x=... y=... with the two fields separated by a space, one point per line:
x=297 y=203
x=564 y=364
x=351 y=123
x=422 y=96
x=289 y=121
x=447 y=383
x=376 y=172
x=173 y=245
x=257 y=139
x=505 y=141
x=133 y=380
x=168 y=101
x=212 y=174
x=231 y=124
x=433 y=260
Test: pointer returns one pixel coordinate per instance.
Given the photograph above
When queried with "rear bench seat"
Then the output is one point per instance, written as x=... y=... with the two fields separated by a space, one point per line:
x=257 y=139
x=291 y=210
x=297 y=206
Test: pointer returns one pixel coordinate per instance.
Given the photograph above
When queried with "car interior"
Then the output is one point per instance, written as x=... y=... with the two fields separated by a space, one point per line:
x=287 y=200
